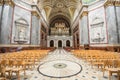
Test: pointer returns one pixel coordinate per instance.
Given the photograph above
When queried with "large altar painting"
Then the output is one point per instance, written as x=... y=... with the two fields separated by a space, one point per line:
x=97 y=26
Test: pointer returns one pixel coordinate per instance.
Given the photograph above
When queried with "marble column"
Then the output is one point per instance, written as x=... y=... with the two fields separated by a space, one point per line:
x=83 y=28
x=48 y=43
x=35 y=33
x=56 y=43
x=111 y=25
x=1 y=12
x=6 y=22
x=118 y=21
x=63 y=43
x=75 y=40
x=39 y=32
x=80 y=32
x=71 y=43
x=45 y=42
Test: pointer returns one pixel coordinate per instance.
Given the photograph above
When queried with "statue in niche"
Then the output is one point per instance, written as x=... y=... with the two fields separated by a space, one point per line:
x=21 y=34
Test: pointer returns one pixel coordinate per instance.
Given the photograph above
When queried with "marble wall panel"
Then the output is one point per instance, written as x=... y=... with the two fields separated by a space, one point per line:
x=97 y=26
x=21 y=13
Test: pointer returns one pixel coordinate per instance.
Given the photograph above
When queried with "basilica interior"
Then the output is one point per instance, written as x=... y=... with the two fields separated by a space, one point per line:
x=59 y=39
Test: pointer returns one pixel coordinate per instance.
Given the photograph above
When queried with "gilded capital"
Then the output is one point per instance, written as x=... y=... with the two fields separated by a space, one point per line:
x=117 y=3
x=109 y=3
x=84 y=13
x=35 y=13
x=9 y=2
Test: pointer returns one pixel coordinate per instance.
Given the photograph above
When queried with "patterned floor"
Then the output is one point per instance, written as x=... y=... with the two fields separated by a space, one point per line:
x=63 y=65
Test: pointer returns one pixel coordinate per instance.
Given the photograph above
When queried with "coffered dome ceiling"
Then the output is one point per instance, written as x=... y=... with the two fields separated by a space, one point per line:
x=53 y=8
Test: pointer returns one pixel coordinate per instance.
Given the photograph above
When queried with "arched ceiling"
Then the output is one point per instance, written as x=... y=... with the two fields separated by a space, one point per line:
x=53 y=8
x=59 y=19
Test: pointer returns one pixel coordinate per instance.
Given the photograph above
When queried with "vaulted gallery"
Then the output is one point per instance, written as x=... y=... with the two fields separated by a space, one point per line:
x=74 y=39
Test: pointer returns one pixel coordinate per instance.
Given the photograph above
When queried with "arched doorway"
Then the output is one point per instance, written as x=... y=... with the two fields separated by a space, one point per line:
x=59 y=43
x=51 y=43
x=67 y=43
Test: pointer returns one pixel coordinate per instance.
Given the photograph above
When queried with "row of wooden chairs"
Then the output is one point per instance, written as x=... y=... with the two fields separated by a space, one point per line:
x=17 y=62
x=104 y=60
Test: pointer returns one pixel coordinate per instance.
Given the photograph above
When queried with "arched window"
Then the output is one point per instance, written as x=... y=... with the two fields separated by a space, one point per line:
x=67 y=43
x=21 y=26
x=51 y=43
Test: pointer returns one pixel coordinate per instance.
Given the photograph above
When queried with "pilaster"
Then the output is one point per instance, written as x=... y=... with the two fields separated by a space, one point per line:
x=111 y=22
x=35 y=33
x=83 y=28
x=6 y=21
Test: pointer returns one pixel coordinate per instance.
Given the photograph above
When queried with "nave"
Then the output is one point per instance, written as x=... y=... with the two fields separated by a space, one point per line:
x=62 y=65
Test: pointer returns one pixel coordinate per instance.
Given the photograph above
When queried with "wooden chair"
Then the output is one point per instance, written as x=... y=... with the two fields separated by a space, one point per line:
x=114 y=69
x=20 y=66
x=2 y=70
x=2 y=78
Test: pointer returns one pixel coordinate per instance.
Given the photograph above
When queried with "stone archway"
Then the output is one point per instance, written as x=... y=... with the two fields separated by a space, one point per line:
x=59 y=44
x=51 y=43
x=67 y=43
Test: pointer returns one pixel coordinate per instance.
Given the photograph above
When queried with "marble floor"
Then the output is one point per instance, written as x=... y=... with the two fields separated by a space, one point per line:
x=63 y=65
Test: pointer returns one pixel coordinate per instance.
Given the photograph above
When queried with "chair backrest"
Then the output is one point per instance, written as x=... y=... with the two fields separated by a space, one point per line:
x=2 y=69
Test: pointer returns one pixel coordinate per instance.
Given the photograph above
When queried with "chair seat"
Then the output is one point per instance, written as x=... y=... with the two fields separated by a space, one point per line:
x=17 y=69
x=112 y=69
x=98 y=63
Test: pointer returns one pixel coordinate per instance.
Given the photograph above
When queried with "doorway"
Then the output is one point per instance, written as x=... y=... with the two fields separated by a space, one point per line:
x=59 y=44
x=67 y=43
x=51 y=43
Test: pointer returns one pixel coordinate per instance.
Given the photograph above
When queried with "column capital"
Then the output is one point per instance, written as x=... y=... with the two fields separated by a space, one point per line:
x=35 y=13
x=112 y=3
x=84 y=13
x=117 y=3
x=9 y=2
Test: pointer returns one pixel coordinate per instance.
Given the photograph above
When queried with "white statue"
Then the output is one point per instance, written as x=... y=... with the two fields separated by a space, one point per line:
x=21 y=34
